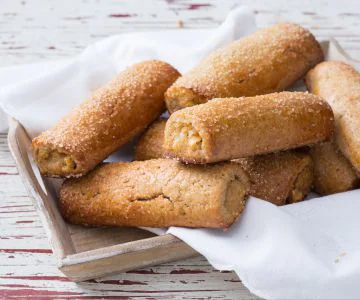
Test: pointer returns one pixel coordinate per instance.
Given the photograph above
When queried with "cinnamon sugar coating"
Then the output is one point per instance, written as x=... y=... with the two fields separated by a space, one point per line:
x=270 y=60
x=112 y=116
x=339 y=84
x=230 y=128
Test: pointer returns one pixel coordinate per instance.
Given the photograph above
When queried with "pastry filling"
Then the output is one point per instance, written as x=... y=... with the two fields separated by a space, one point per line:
x=187 y=137
x=190 y=99
x=54 y=162
x=302 y=185
x=183 y=97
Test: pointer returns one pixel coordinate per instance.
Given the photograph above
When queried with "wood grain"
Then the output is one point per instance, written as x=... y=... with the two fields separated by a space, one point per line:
x=84 y=252
x=40 y=30
x=28 y=266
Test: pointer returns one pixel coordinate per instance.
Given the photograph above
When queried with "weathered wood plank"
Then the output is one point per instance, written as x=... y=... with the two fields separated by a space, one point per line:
x=57 y=31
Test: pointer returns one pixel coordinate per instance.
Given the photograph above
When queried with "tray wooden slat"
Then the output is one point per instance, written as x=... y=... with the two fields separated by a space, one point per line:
x=88 y=252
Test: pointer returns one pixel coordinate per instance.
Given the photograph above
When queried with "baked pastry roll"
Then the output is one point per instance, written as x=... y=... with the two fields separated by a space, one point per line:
x=270 y=60
x=339 y=84
x=151 y=142
x=332 y=171
x=281 y=178
x=156 y=193
x=230 y=128
x=112 y=116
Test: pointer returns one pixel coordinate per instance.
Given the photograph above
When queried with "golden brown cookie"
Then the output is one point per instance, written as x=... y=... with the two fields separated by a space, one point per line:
x=230 y=128
x=270 y=60
x=156 y=193
x=280 y=178
x=112 y=116
x=339 y=84
x=333 y=172
x=151 y=142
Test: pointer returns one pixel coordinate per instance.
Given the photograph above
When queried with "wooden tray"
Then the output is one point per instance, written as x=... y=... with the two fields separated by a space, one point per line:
x=85 y=253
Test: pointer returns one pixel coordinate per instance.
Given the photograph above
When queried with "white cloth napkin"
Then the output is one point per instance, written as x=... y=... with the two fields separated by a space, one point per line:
x=300 y=251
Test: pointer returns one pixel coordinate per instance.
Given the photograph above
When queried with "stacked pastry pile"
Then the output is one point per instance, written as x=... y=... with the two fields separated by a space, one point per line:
x=233 y=131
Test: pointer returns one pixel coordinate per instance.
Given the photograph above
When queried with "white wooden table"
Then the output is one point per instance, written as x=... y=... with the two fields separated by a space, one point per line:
x=40 y=30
